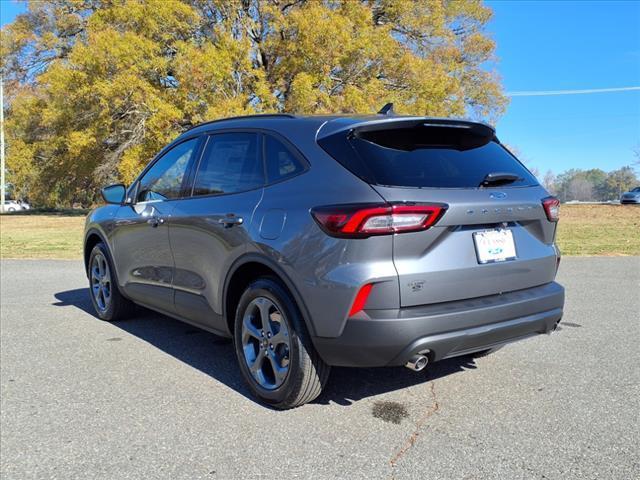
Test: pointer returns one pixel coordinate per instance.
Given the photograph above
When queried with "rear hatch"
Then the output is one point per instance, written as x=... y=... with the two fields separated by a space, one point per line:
x=494 y=236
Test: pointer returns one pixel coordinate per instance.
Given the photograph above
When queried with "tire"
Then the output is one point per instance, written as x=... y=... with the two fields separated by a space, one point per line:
x=281 y=344
x=112 y=306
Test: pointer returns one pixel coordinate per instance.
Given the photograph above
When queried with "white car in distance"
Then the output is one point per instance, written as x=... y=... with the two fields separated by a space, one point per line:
x=11 y=206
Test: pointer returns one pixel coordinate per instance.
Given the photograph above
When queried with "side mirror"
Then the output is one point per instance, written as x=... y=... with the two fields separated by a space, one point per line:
x=114 y=193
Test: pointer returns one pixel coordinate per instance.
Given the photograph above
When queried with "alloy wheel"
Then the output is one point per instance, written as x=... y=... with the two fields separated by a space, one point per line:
x=101 y=282
x=266 y=343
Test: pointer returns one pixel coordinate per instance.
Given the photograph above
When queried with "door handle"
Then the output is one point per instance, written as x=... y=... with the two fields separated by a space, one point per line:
x=230 y=220
x=155 y=221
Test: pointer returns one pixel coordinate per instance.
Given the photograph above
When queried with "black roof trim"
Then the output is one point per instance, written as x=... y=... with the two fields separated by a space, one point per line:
x=242 y=117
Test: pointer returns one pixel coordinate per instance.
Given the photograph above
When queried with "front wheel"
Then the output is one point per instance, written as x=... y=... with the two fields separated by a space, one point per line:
x=274 y=351
x=107 y=300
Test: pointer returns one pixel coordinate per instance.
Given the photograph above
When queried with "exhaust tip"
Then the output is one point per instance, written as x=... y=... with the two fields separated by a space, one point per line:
x=417 y=363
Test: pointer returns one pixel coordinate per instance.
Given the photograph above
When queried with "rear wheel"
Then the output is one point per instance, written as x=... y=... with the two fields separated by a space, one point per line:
x=107 y=300
x=273 y=347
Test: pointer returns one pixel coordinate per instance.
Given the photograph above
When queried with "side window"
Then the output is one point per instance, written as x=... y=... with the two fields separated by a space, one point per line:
x=281 y=163
x=231 y=163
x=163 y=181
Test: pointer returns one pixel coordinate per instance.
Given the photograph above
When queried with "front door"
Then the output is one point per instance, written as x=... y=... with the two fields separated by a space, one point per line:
x=143 y=259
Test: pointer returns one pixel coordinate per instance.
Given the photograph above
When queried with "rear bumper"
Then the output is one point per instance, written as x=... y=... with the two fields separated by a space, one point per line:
x=391 y=337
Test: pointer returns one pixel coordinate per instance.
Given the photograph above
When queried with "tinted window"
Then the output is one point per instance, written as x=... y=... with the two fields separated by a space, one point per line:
x=164 y=179
x=231 y=163
x=425 y=156
x=281 y=163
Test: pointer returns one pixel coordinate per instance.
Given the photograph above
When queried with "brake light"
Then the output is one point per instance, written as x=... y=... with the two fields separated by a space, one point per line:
x=364 y=220
x=552 y=208
x=361 y=299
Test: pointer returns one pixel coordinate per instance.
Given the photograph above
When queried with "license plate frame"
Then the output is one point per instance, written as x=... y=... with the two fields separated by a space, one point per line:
x=494 y=245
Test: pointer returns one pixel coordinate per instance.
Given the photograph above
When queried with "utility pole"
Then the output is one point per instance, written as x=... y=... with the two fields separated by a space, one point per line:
x=2 y=180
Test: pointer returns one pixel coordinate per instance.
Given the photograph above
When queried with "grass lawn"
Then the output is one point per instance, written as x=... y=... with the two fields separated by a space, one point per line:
x=583 y=230
x=599 y=230
x=41 y=236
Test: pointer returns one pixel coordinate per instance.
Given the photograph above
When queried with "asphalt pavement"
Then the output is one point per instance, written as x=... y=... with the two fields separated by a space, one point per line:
x=152 y=397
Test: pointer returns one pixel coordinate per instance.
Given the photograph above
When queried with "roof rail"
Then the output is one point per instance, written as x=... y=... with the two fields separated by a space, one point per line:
x=240 y=117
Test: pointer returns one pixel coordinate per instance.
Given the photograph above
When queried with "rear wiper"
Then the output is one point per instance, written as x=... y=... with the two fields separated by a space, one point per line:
x=499 y=178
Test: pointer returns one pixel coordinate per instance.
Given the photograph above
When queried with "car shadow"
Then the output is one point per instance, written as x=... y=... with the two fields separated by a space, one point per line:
x=215 y=356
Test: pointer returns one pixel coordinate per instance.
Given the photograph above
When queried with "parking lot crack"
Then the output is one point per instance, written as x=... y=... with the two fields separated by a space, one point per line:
x=413 y=437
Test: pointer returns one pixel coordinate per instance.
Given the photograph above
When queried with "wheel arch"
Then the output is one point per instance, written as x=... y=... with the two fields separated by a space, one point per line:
x=91 y=239
x=246 y=269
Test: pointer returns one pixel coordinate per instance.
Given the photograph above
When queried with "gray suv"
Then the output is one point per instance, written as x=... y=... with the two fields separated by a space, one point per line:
x=357 y=241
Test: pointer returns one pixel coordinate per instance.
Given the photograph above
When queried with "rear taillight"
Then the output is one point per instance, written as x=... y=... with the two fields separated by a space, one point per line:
x=552 y=208
x=364 y=220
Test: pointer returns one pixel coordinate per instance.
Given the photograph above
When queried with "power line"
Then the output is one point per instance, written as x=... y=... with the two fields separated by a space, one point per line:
x=543 y=93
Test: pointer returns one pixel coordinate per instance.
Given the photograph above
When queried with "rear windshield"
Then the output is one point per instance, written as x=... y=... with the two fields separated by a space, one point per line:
x=424 y=155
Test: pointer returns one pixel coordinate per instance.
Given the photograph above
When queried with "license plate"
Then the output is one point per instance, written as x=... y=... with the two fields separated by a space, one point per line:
x=494 y=245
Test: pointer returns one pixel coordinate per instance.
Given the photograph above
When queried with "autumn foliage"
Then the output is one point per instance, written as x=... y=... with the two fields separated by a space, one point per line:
x=97 y=87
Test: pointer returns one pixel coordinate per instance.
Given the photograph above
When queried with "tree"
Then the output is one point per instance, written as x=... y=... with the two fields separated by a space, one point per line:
x=549 y=182
x=99 y=86
x=563 y=181
x=594 y=184
x=580 y=189
x=620 y=181
x=572 y=185
x=597 y=179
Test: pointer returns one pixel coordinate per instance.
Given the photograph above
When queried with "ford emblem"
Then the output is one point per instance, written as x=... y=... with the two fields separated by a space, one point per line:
x=498 y=195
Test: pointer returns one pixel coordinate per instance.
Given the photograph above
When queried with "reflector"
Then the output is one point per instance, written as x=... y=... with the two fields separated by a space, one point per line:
x=361 y=299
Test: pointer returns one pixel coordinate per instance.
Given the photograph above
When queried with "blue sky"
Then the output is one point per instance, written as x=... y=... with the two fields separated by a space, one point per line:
x=542 y=46
x=9 y=9
x=565 y=46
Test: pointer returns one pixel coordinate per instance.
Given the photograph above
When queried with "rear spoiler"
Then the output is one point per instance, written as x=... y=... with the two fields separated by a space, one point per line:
x=421 y=133
x=383 y=122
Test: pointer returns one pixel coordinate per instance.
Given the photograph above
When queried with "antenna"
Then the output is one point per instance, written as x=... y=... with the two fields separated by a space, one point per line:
x=387 y=110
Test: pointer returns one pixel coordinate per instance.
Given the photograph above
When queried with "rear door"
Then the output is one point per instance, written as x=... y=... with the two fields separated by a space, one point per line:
x=494 y=236
x=210 y=229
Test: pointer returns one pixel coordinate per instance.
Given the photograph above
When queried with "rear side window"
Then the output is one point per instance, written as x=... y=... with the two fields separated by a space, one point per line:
x=231 y=163
x=281 y=162
x=425 y=155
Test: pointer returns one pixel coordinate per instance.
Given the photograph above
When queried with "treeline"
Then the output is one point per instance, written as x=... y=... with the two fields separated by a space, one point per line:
x=590 y=185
